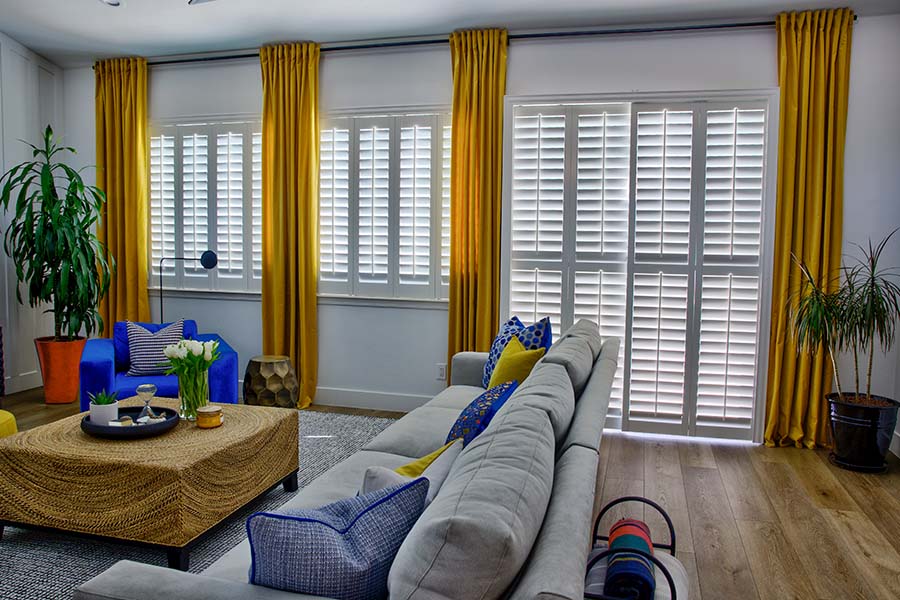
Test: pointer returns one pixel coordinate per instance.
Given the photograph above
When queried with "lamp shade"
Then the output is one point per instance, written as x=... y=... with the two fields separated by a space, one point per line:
x=209 y=259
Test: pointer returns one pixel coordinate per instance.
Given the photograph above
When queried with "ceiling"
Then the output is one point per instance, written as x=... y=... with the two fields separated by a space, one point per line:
x=75 y=32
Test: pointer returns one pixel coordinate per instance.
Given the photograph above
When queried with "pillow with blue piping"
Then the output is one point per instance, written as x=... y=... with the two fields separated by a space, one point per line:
x=478 y=414
x=537 y=335
x=343 y=550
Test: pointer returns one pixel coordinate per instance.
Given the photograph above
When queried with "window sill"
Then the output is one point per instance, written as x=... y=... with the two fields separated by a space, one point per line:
x=323 y=299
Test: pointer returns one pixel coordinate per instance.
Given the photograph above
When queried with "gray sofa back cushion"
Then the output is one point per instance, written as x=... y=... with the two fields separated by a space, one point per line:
x=476 y=535
x=590 y=412
x=573 y=353
x=555 y=568
x=548 y=389
x=587 y=331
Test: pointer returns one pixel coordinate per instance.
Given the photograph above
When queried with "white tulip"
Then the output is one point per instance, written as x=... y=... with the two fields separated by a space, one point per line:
x=169 y=350
x=195 y=347
x=181 y=352
x=208 y=348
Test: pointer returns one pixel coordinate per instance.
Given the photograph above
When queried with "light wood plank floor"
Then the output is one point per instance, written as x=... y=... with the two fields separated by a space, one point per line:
x=751 y=522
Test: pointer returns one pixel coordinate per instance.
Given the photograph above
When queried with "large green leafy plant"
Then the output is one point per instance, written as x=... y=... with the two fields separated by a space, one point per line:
x=51 y=239
x=855 y=312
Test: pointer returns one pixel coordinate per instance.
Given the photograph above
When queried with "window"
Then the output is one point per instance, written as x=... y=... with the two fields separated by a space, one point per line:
x=206 y=194
x=384 y=206
x=647 y=218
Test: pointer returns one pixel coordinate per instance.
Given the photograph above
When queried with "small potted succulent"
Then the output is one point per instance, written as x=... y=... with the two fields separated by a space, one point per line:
x=104 y=408
x=854 y=312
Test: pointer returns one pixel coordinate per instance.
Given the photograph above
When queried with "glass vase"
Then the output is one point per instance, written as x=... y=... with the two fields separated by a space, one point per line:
x=193 y=392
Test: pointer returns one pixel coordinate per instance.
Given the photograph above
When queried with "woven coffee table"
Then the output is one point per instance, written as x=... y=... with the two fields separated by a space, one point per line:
x=165 y=492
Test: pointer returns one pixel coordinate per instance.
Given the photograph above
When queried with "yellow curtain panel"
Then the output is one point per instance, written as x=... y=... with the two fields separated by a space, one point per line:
x=814 y=77
x=123 y=173
x=290 y=188
x=479 y=85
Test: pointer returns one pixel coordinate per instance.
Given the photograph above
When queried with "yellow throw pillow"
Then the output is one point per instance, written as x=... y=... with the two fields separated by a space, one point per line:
x=418 y=466
x=515 y=363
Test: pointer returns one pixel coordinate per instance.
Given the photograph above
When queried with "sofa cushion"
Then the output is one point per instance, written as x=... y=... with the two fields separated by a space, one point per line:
x=589 y=332
x=590 y=411
x=126 y=386
x=477 y=416
x=456 y=397
x=555 y=567
x=418 y=433
x=476 y=535
x=548 y=389
x=435 y=471
x=343 y=550
x=120 y=338
x=573 y=353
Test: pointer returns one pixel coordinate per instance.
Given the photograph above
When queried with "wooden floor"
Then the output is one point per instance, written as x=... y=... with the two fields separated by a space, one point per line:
x=751 y=522
x=755 y=522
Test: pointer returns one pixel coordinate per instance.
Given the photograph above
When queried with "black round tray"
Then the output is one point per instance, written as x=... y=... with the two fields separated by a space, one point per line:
x=135 y=431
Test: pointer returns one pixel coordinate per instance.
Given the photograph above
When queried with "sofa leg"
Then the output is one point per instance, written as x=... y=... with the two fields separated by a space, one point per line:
x=179 y=558
x=290 y=482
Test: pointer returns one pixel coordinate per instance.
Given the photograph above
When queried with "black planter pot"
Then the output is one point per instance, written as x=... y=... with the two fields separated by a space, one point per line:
x=861 y=434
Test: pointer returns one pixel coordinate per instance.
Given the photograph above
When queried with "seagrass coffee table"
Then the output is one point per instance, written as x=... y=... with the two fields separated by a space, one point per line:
x=165 y=492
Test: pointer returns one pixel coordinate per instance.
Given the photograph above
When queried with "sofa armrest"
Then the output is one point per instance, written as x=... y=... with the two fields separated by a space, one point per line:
x=223 y=374
x=467 y=368
x=97 y=370
x=127 y=580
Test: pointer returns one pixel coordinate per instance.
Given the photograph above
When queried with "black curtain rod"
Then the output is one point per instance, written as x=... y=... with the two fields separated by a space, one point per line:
x=512 y=36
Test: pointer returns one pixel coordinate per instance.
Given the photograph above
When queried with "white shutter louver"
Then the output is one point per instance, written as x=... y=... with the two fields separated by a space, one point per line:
x=728 y=345
x=445 y=205
x=663 y=185
x=658 y=347
x=256 y=206
x=195 y=200
x=334 y=205
x=162 y=202
x=537 y=189
x=536 y=294
x=374 y=204
x=415 y=205
x=604 y=155
x=734 y=184
x=230 y=205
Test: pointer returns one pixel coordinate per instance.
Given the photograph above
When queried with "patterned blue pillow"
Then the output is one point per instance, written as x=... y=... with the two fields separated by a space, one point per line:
x=476 y=416
x=532 y=337
x=343 y=550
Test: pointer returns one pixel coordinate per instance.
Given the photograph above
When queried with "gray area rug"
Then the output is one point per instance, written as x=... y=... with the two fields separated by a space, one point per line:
x=37 y=566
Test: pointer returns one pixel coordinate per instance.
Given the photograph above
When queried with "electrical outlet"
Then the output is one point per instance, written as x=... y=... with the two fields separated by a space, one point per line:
x=442 y=371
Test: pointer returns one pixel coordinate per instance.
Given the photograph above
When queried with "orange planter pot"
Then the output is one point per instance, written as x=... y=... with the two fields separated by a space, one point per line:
x=59 y=368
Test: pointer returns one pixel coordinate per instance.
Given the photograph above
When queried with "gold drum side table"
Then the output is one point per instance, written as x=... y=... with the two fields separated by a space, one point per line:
x=271 y=381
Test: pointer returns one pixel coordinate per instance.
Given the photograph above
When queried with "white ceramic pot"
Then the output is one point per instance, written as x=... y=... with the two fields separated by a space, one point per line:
x=102 y=414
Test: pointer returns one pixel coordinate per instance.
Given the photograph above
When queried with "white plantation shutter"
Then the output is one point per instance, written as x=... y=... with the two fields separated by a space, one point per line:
x=162 y=203
x=334 y=207
x=647 y=219
x=374 y=205
x=195 y=201
x=658 y=349
x=663 y=185
x=415 y=203
x=256 y=207
x=230 y=205
x=445 y=205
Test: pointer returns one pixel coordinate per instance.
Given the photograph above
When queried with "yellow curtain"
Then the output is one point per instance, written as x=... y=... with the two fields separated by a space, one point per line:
x=814 y=77
x=479 y=85
x=123 y=173
x=290 y=187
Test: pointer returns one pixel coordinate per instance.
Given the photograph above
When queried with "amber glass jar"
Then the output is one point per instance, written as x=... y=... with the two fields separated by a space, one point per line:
x=209 y=416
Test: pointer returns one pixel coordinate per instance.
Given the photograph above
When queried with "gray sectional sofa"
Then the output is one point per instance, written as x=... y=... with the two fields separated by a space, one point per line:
x=513 y=518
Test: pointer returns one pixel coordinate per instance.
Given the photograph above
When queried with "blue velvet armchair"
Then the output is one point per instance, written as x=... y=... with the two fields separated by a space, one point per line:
x=105 y=362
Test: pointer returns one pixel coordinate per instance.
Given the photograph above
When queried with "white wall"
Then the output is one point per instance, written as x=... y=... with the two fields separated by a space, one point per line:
x=399 y=371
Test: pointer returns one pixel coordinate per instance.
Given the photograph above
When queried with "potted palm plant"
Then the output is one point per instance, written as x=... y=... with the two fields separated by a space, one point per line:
x=855 y=313
x=59 y=261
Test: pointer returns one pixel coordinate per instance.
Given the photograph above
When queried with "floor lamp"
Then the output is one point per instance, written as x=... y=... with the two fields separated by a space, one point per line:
x=208 y=260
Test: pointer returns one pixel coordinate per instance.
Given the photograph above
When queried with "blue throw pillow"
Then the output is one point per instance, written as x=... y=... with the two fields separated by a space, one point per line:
x=343 y=550
x=145 y=347
x=476 y=416
x=538 y=335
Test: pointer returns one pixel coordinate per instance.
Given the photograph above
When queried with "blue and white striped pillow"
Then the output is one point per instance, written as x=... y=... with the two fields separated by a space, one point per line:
x=343 y=550
x=145 y=349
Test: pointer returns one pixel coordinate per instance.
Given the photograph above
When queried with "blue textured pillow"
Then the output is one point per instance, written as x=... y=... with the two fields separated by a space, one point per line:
x=476 y=416
x=538 y=335
x=343 y=550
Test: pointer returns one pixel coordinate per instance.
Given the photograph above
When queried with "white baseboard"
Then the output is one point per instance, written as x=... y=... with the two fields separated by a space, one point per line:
x=895 y=443
x=25 y=381
x=369 y=399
